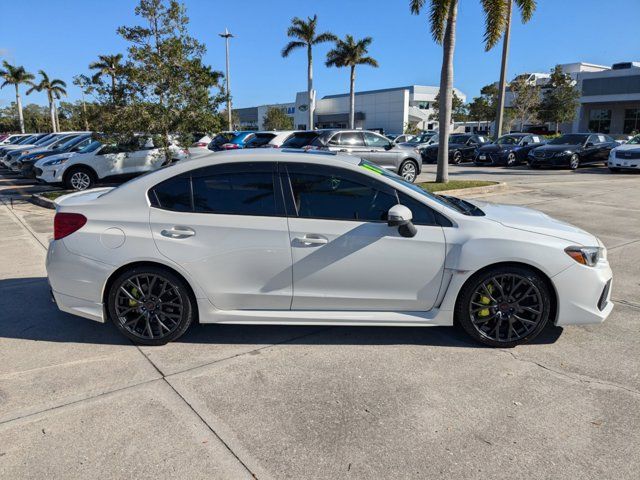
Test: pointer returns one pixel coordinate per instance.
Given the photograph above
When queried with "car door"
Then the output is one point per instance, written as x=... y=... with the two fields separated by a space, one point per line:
x=230 y=234
x=590 y=151
x=345 y=256
x=109 y=161
x=351 y=143
x=380 y=151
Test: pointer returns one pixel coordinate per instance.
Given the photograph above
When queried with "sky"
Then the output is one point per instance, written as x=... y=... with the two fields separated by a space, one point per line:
x=63 y=36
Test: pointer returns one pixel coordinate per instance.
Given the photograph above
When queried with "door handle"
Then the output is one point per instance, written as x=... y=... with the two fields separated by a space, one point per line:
x=312 y=240
x=178 y=232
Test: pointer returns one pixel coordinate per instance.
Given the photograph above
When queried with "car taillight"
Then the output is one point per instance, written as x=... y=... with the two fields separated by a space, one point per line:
x=230 y=146
x=201 y=144
x=65 y=224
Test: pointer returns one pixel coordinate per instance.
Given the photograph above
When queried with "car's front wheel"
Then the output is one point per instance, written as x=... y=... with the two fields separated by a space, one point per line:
x=409 y=170
x=457 y=158
x=511 y=160
x=574 y=162
x=79 y=178
x=504 y=306
x=150 y=305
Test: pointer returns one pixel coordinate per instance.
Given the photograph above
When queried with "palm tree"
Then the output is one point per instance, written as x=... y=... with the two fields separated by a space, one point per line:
x=349 y=53
x=107 y=65
x=13 y=75
x=500 y=10
x=442 y=18
x=305 y=33
x=55 y=89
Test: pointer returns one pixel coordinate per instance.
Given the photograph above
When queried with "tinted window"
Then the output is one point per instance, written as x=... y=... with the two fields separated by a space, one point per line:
x=173 y=194
x=373 y=140
x=422 y=214
x=351 y=139
x=327 y=193
x=259 y=140
x=240 y=191
x=299 y=140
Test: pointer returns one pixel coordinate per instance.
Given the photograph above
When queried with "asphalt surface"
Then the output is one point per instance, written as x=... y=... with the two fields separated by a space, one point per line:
x=77 y=400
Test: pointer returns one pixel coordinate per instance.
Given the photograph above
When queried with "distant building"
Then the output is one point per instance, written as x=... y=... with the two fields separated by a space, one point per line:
x=387 y=110
x=610 y=100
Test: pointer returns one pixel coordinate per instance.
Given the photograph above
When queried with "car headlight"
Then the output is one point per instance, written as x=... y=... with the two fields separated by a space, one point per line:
x=588 y=256
x=51 y=163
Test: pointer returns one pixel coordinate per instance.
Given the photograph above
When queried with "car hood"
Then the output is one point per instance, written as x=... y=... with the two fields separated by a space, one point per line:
x=626 y=147
x=531 y=220
x=58 y=156
x=493 y=148
x=558 y=148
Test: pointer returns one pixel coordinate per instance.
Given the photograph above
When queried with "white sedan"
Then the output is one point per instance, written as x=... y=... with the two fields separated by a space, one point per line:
x=268 y=237
x=102 y=163
x=626 y=156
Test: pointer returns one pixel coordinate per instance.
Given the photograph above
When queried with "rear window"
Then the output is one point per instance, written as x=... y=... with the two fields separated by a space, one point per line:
x=259 y=140
x=300 y=140
x=173 y=194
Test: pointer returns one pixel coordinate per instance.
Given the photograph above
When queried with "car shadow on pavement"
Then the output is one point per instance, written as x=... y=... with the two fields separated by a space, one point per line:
x=29 y=314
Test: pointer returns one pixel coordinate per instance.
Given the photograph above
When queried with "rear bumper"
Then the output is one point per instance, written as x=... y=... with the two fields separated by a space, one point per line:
x=76 y=282
x=584 y=294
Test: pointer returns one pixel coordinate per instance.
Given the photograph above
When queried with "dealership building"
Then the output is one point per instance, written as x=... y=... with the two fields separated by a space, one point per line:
x=387 y=110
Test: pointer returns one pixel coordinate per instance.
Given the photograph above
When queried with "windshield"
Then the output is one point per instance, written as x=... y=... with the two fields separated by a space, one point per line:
x=571 y=139
x=454 y=203
x=508 y=140
x=634 y=141
x=91 y=147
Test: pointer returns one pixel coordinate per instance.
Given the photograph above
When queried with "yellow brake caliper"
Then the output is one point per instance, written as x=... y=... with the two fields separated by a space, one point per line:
x=136 y=294
x=485 y=301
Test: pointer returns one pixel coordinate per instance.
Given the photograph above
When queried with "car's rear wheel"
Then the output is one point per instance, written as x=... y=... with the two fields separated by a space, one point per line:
x=409 y=170
x=574 y=162
x=150 y=305
x=504 y=306
x=511 y=160
x=79 y=178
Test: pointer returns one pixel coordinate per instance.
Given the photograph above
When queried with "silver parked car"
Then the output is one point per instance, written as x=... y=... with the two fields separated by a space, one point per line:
x=403 y=160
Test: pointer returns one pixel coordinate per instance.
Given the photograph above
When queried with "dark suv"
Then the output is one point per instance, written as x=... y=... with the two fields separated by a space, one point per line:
x=371 y=146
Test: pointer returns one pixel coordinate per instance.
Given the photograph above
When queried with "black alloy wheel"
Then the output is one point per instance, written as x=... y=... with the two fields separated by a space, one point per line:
x=504 y=307
x=150 y=305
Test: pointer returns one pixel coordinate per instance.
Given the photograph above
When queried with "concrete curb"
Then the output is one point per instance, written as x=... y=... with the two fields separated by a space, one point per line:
x=475 y=190
x=41 y=201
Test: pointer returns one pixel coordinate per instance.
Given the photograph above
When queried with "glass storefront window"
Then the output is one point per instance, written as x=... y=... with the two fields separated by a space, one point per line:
x=631 y=120
x=600 y=120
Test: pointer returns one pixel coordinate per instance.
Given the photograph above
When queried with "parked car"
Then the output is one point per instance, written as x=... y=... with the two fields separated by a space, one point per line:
x=371 y=146
x=462 y=147
x=622 y=138
x=508 y=150
x=220 y=139
x=287 y=237
x=49 y=147
x=572 y=150
x=21 y=143
x=421 y=140
x=400 y=138
x=201 y=140
x=106 y=163
x=25 y=164
x=269 y=139
x=238 y=141
x=13 y=138
x=625 y=157
x=35 y=141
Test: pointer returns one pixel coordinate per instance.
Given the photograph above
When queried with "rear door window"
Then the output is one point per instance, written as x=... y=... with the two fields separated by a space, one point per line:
x=373 y=140
x=173 y=194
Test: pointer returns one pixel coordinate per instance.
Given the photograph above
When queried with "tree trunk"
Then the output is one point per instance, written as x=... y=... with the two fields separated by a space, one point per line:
x=352 y=98
x=113 y=89
x=503 y=72
x=84 y=113
x=446 y=93
x=311 y=106
x=55 y=109
x=557 y=127
x=53 y=115
x=19 y=105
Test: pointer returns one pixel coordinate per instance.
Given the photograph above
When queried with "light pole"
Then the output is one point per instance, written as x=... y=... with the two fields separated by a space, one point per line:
x=227 y=35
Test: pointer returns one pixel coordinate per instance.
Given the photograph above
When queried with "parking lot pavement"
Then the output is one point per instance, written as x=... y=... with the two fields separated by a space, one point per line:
x=78 y=400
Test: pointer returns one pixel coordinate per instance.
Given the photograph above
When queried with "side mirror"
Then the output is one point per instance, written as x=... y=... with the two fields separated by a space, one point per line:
x=389 y=146
x=524 y=144
x=588 y=144
x=400 y=216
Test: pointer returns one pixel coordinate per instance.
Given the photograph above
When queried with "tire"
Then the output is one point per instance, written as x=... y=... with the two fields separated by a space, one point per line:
x=574 y=162
x=614 y=170
x=488 y=313
x=511 y=160
x=409 y=170
x=155 y=307
x=457 y=158
x=79 y=178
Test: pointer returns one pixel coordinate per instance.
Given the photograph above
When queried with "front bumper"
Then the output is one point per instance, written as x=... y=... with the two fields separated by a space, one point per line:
x=563 y=161
x=584 y=294
x=633 y=164
x=482 y=158
x=49 y=174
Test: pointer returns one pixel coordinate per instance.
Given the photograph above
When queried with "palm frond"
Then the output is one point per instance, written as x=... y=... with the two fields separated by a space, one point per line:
x=416 y=6
x=325 y=37
x=292 y=46
x=495 y=12
x=527 y=7
x=438 y=18
x=372 y=62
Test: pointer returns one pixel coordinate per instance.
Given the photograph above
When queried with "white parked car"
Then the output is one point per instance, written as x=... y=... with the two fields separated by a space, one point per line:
x=11 y=139
x=282 y=237
x=626 y=156
x=269 y=139
x=103 y=163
